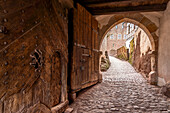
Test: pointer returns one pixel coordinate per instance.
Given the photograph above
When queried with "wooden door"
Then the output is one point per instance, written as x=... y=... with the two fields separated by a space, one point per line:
x=30 y=69
x=84 y=59
x=85 y=66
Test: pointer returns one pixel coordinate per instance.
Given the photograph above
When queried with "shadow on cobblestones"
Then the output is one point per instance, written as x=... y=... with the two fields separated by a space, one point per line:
x=122 y=90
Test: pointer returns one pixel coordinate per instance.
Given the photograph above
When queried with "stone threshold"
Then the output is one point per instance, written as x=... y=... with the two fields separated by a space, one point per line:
x=60 y=108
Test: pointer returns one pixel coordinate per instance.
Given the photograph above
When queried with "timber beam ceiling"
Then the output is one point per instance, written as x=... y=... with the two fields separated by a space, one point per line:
x=103 y=7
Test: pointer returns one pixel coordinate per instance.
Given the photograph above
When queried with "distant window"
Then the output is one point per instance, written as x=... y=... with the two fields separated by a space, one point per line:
x=116 y=27
x=113 y=45
x=124 y=36
x=111 y=36
x=133 y=26
x=129 y=29
x=136 y=26
x=122 y=25
x=119 y=36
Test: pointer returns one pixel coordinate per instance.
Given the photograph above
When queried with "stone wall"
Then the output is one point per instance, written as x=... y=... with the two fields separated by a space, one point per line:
x=115 y=42
x=122 y=53
x=142 y=58
x=131 y=52
x=164 y=48
x=145 y=43
x=113 y=53
x=111 y=42
x=103 y=47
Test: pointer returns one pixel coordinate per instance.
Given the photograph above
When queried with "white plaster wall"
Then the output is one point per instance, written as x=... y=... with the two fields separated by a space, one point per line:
x=164 y=46
x=128 y=43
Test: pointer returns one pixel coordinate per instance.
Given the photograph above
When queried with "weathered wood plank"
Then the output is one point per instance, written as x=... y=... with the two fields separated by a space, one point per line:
x=132 y=9
x=84 y=56
x=32 y=25
x=102 y=7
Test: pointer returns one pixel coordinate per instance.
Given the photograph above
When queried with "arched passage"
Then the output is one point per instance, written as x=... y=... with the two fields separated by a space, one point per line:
x=144 y=23
x=147 y=25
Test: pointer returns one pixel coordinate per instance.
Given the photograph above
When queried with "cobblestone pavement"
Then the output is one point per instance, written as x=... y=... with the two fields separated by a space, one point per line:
x=123 y=90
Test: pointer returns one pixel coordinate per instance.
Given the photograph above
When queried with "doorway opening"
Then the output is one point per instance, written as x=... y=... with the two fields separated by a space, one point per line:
x=129 y=42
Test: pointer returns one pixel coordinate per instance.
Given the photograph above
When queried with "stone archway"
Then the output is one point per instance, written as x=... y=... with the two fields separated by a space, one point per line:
x=144 y=23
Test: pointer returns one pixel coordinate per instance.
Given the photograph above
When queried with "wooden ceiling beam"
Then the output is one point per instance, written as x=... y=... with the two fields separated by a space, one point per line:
x=106 y=4
x=87 y=2
x=91 y=2
x=142 y=8
x=125 y=2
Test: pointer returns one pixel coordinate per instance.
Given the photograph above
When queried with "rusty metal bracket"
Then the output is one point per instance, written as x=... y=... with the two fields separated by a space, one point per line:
x=82 y=60
x=37 y=60
x=86 y=55
x=3 y=30
x=82 y=68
